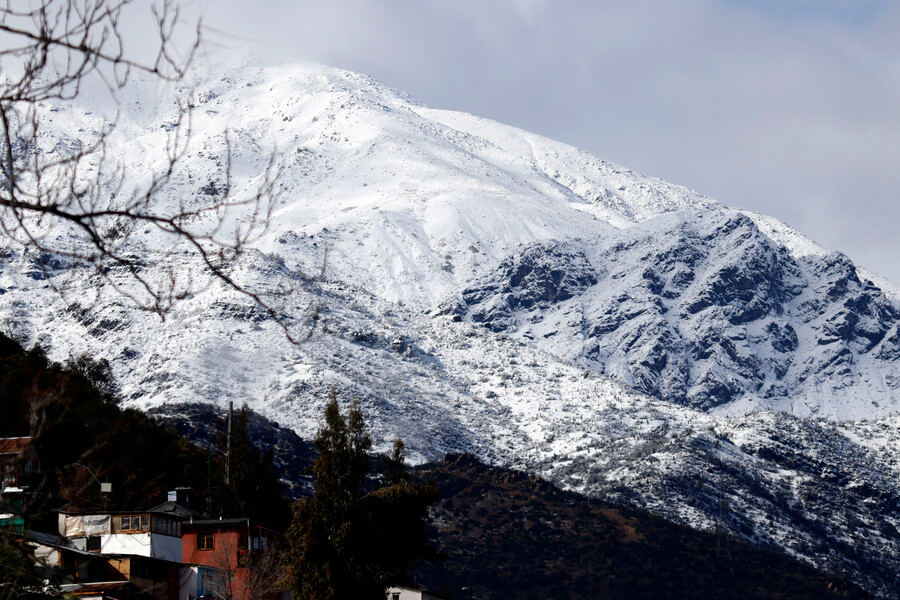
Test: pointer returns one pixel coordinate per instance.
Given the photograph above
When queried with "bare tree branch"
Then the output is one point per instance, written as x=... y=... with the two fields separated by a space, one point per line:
x=77 y=207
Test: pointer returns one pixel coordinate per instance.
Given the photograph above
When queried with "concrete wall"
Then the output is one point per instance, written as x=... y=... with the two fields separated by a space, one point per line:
x=148 y=544
x=126 y=543
x=166 y=547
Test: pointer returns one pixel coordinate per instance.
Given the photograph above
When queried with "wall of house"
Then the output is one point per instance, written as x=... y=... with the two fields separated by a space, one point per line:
x=167 y=547
x=156 y=578
x=189 y=582
x=227 y=543
x=71 y=526
x=122 y=565
x=153 y=545
x=125 y=543
x=225 y=547
x=46 y=555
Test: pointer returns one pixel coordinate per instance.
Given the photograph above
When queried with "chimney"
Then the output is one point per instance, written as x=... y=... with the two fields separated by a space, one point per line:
x=181 y=495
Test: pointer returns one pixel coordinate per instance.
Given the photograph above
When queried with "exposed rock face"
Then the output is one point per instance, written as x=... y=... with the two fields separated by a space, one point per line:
x=701 y=310
x=538 y=277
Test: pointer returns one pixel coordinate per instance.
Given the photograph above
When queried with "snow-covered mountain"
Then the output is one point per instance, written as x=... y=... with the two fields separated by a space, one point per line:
x=488 y=290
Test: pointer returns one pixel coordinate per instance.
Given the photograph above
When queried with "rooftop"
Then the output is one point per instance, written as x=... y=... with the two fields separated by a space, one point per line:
x=14 y=445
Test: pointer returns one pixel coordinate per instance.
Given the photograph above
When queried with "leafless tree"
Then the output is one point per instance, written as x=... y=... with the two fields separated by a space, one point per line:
x=71 y=207
x=263 y=573
x=222 y=580
x=248 y=575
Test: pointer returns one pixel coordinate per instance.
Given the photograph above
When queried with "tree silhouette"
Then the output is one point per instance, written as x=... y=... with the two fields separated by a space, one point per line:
x=344 y=542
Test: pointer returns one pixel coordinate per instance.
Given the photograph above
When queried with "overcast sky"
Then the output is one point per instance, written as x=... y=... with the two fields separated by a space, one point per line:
x=786 y=107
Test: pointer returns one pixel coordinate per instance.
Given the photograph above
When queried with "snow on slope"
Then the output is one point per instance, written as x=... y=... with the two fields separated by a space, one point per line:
x=491 y=291
x=429 y=201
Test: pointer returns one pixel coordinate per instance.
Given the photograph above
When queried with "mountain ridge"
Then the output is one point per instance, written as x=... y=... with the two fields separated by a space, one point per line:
x=490 y=291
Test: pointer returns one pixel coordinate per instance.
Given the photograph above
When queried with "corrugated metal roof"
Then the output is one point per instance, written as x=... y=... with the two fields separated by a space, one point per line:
x=207 y=523
x=178 y=510
x=14 y=445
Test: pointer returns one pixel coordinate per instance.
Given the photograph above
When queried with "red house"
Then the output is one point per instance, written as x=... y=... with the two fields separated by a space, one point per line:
x=231 y=559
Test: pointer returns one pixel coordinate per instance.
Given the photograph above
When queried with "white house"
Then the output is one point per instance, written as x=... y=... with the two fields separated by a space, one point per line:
x=135 y=533
x=407 y=593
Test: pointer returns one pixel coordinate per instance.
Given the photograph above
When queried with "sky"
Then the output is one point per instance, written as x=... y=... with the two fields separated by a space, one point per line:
x=790 y=108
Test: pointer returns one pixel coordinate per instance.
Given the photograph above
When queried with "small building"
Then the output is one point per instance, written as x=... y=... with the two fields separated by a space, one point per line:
x=221 y=551
x=18 y=464
x=410 y=593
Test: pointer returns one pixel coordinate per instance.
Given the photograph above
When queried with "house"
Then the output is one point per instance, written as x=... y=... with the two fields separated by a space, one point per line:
x=138 y=533
x=222 y=552
x=178 y=504
x=18 y=464
x=81 y=569
x=12 y=523
x=409 y=593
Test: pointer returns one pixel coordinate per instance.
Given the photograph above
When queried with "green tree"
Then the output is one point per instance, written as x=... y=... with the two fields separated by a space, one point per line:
x=19 y=577
x=345 y=542
x=395 y=464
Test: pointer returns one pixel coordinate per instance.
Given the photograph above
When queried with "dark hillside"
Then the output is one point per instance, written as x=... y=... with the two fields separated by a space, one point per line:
x=82 y=436
x=510 y=535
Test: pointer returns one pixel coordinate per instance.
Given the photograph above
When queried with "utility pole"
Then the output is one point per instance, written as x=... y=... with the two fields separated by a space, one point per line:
x=228 y=445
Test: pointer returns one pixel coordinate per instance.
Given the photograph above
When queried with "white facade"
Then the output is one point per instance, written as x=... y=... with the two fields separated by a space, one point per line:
x=154 y=545
x=46 y=555
x=402 y=593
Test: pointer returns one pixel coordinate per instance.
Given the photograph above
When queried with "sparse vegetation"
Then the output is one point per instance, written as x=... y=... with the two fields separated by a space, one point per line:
x=510 y=535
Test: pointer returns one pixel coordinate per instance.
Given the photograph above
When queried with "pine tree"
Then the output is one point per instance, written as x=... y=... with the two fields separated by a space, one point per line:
x=344 y=542
x=395 y=468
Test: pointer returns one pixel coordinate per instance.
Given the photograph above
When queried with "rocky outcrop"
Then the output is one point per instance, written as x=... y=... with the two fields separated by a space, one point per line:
x=701 y=310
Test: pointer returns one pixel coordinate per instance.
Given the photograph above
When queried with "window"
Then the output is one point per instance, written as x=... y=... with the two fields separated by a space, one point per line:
x=135 y=524
x=10 y=474
x=93 y=543
x=205 y=541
